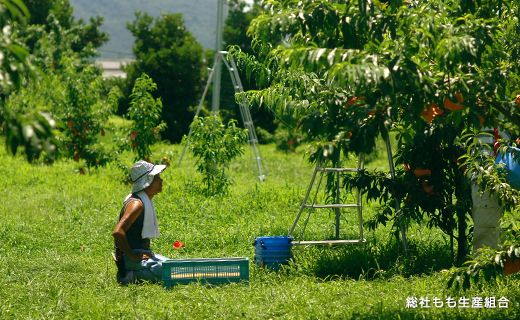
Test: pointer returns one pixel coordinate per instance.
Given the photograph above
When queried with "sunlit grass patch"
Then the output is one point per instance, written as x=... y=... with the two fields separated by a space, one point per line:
x=55 y=227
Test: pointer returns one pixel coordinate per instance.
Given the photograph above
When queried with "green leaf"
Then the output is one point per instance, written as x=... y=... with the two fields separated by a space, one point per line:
x=487 y=273
x=17 y=9
x=476 y=275
x=451 y=280
x=466 y=282
x=20 y=52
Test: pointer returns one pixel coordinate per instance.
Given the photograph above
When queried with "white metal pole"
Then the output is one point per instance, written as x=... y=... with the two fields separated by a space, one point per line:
x=199 y=107
x=215 y=102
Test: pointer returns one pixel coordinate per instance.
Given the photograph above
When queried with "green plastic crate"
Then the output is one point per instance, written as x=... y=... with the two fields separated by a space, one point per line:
x=205 y=270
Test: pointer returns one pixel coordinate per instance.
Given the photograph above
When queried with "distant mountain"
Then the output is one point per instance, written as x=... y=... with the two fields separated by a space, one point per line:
x=200 y=17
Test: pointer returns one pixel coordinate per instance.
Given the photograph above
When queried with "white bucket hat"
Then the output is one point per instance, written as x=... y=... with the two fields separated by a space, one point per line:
x=142 y=174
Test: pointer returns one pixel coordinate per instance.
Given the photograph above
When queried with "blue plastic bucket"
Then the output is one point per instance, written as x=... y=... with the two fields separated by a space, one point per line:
x=272 y=252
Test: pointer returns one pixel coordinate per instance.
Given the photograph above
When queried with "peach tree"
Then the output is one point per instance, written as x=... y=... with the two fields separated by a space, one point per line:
x=145 y=111
x=214 y=146
x=352 y=71
x=32 y=130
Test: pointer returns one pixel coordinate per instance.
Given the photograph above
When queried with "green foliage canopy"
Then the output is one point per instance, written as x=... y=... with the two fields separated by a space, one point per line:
x=43 y=35
x=33 y=130
x=237 y=22
x=75 y=99
x=14 y=63
x=350 y=71
x=48 y=16
x=145 y=111
x=170 y=55
x=215 y=145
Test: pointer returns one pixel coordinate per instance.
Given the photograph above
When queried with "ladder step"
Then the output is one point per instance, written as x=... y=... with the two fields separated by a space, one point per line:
x=337 y=169
x=335 y=205
x=328 y=242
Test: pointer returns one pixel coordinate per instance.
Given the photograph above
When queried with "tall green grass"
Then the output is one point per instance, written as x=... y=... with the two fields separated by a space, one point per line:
x=55 y=245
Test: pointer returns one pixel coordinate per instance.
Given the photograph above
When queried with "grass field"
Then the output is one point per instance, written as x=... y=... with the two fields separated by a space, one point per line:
x=55 y=244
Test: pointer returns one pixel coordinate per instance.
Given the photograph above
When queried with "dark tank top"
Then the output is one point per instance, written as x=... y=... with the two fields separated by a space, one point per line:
x=133 y=234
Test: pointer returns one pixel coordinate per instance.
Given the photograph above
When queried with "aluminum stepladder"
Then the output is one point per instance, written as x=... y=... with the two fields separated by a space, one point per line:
x=337 y=206
x=229 y=62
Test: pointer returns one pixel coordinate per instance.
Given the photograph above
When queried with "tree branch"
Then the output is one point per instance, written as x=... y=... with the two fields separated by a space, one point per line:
x=514 y=118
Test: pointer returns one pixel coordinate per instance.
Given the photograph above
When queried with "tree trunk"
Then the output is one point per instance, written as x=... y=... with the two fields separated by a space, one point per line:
x=462 y=208
x=462 y=239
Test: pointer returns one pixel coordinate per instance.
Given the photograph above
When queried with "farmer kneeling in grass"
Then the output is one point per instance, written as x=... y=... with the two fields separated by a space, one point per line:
x=137 y=225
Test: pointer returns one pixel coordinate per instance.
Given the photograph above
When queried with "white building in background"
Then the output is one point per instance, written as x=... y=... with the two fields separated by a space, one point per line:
x=113 y=68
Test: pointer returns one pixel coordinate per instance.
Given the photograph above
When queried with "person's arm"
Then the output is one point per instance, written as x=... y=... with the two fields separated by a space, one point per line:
x=132 y=212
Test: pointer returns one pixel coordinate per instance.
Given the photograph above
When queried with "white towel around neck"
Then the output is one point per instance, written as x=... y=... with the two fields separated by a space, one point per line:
x=150 y=224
